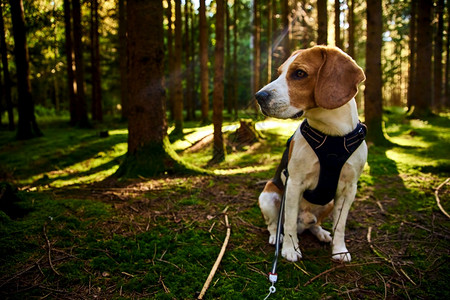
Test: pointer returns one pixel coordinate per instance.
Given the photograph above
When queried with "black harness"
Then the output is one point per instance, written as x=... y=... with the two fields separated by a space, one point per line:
x=333 y=152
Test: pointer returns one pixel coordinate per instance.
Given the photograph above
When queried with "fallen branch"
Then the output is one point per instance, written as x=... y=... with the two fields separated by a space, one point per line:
x=438 y=201
x=369 y=234
x=49 y=246
x=219 y=258
x=339 y=267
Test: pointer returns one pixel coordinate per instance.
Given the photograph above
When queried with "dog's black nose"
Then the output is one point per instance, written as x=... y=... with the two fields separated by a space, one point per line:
x=262 y=97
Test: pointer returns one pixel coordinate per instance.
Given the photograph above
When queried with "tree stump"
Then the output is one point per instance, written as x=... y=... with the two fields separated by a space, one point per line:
x=246 y=133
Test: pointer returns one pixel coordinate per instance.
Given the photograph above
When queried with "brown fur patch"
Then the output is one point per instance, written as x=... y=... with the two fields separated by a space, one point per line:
x=272 y=188
x=325 y=212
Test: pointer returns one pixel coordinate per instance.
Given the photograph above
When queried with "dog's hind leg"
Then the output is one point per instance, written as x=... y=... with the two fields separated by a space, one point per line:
x=269 y=203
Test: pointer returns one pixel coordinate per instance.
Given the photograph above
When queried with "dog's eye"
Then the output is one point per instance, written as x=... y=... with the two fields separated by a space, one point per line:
x=299 y=74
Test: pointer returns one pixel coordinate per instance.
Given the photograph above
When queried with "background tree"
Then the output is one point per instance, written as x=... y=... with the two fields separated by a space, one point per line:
x=70 y=61
x=177 y=75
x=122 y=47
x=337 y=23
x=424 y=63
x=81 y=118
x=351 y=29
x=322 y=20
x=438 y=42
x=149 y=151
x=97 y=111
x=412 y=95
x=6 y=77
x=27 y=127
x=256 y=51
x=373 y=110
x=218 y=148
x=188 y=55
x=204 y=76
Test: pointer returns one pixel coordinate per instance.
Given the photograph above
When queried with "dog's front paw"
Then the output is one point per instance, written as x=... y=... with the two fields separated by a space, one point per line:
x=342 y=255
x=273 y=239
x=291 y=254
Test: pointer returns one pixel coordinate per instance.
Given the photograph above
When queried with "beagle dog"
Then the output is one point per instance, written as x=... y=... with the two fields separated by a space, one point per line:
x=319 y=83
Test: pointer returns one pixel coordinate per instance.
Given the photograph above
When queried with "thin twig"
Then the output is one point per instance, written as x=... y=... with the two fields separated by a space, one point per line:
x=49 y=246
x=438 y=201
x=219 y=258
x=369 y=234
x=339 y=267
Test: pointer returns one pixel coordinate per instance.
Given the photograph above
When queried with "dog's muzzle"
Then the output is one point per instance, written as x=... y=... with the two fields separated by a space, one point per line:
x=263 y=98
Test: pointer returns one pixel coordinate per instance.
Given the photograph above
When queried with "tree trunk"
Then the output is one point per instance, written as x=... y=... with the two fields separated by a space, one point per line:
x=412 y=96
x=149 y=152
x=204 y=76
x=188 y=61
x=437 y=99
x=269 y=40
x=322 y=19
x=373 y=97
x=70 y=67
x=177 y=75
x=192 y=46
x=97 y=112
x=228 y=79
x=256 y=52
x=447 y=62
x=351 y=29
x=27 y=127
x=218 y=149
x=123 y=58
x=235 y=61
x=7 y=78
x=286 y=29
x=424 y=62
x=337 y=23
x=81 y=106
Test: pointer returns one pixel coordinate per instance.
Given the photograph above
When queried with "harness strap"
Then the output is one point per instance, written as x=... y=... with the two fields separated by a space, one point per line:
x=332 y=152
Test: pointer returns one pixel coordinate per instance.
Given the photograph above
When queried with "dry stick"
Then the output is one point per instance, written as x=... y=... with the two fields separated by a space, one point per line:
x=216 y=264
x=369 y=234
x=50 y=252
x=339 y=267
x=438 y=201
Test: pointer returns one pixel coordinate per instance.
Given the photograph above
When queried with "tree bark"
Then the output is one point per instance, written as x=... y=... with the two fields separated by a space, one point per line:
x=6 y=76
x=438 y=43
x=256 y=52
x=373 y=97
x=97 y=111
x=322 y=18
x=204 y=76
x=70 y=57
x=424 y=61
x=177 y=76
x=286 y=29
x=269 y=40
x=149 y=152
x=235 y=61
x=188 y=61
x=81 y=106
x=123 y=58
x=351 y=29
x=412 y=96
x=218 y=149
x=337 y=23
x=27 y=127
x=447 y=62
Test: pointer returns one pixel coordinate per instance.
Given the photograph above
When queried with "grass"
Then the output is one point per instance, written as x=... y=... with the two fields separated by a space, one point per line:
x=85 y=235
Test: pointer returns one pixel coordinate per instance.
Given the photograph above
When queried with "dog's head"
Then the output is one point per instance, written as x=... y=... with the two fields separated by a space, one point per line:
x=316 y=77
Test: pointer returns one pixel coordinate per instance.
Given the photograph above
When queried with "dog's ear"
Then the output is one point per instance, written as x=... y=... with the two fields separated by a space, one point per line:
x=337 y=79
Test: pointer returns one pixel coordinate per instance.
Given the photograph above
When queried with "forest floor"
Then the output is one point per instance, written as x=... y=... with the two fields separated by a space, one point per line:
x=74 y=232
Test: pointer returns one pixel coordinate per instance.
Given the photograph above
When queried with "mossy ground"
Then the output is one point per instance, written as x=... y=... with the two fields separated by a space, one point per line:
x=86 y=235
